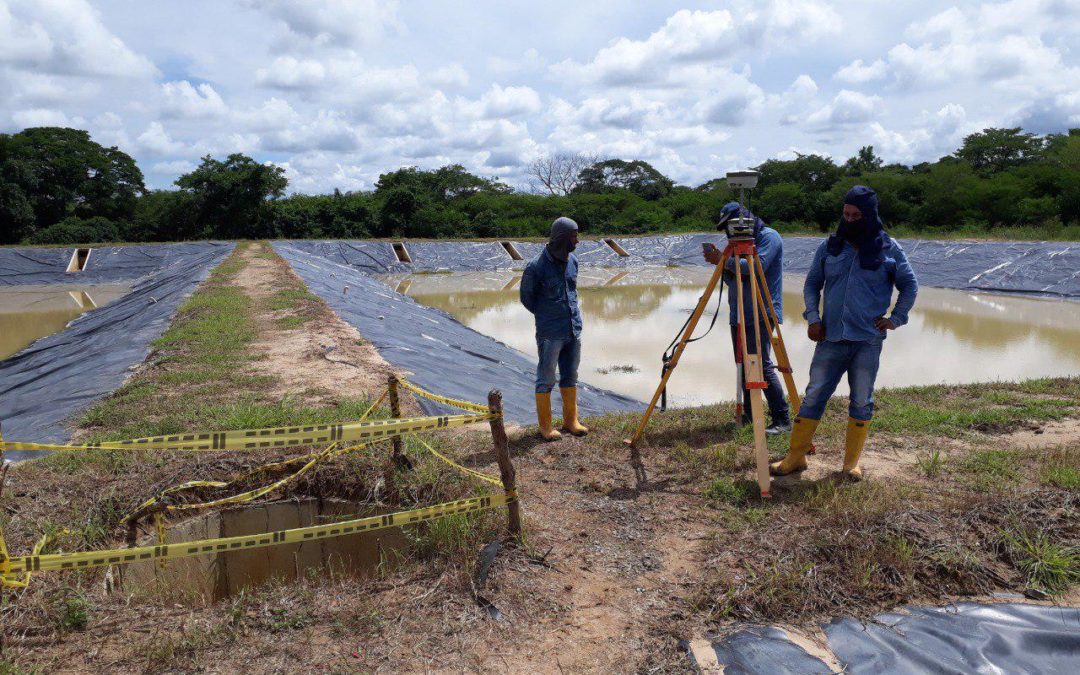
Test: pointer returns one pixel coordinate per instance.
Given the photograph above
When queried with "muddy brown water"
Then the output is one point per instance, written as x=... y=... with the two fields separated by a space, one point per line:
x=631 y=316
x=28 y=313
x=213 y=577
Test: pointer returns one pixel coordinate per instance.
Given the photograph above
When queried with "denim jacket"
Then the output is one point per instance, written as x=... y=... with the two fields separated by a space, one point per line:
x=855 y=297
x=549 y=291
x=770 y=248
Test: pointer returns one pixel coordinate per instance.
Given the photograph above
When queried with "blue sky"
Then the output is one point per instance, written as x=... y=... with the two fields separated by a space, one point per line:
x=338 y=91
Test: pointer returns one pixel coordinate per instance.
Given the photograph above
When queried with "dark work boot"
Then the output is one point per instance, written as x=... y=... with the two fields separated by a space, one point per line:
x=780 y=425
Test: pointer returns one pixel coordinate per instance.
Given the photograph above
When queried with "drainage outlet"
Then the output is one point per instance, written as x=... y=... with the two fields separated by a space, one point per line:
x=614 y=246
x=511 y=250
x=401 y=252
x=79 y=257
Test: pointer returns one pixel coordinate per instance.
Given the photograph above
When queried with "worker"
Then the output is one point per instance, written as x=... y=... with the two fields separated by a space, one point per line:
x=770 y=248
x=858 y=267
x=549 y=292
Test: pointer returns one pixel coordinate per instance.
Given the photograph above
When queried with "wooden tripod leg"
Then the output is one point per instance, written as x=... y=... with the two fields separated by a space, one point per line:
x=688 y=333
x=754 y=379
x=782 y=360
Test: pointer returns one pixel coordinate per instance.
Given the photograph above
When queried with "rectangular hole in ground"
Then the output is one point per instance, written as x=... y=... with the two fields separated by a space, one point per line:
x=212 y=577
x=401 y=252
x=79 y=257
x=511 y=250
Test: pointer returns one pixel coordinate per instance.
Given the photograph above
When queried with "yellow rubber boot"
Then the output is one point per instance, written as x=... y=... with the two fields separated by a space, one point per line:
x=569 y=412
x=802 y=432
x=543 y=415
x=857 y=431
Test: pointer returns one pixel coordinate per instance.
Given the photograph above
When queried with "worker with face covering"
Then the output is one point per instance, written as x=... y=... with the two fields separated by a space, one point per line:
x=549 y=291
x=770 y=248
x=858 y=268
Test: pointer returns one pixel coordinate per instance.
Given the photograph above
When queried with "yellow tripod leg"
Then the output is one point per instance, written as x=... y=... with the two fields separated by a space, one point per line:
x=703 y=302
x=782 y=360
x=754 y=376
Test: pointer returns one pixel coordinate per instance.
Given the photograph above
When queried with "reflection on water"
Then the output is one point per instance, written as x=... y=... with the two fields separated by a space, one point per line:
x=31 y=312
x=631 y=316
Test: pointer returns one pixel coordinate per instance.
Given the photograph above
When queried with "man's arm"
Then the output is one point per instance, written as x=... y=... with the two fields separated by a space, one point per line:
x=815 y=281
x=908 y=286
x=527 y=290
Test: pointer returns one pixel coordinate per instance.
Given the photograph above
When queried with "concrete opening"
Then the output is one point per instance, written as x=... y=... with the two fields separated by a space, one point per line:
x=614 y=245
x=401 y=252
x=78 y=260
x=212 y=577
x=511 y=250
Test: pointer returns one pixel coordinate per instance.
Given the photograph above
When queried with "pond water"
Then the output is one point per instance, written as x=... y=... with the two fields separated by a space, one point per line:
x=631 y=316
x=28 y=313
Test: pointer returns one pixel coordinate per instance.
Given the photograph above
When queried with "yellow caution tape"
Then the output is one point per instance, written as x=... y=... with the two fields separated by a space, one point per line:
x=472 y=472
x=22 y=581
x=15 y=569
x=452 y=402
x=278 y=437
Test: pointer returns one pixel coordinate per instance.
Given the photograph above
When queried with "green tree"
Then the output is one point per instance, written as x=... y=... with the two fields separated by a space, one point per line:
x=992 y=150
x=230 y=198
x=864 y=162
x=813 y=172
x=638 y=177
x=55 y=172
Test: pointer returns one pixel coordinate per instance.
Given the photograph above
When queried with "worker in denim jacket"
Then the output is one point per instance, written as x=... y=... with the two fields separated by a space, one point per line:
x=770 y=249
x=549 y=291
x=858 y=267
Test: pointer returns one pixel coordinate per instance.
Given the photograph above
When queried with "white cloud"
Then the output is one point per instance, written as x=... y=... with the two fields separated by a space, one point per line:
x=340 y=23
x=452 y=75
x=64 y=37
x=288 y=72
x=933 y=136
x=177 y=167
x=500 y=102
x=847 y=107
x=45 y=117
x=156 y=141
x=529 y=61
x=187 y=101
x=857 y=72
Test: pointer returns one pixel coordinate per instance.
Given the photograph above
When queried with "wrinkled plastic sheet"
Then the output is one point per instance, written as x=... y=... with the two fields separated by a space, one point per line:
x=62 y=374
x=376 y=257
x=962 y=638
x=437 y=351
x=106 y=264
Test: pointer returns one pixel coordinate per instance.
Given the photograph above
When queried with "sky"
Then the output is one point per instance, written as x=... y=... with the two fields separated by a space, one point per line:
x=340 y=91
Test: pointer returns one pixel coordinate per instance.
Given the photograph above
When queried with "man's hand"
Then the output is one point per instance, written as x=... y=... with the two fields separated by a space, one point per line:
x=884 y=324
x=712 y=255
x=816 y=331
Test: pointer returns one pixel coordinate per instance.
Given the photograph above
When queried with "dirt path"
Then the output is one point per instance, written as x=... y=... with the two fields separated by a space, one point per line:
x=322 y=358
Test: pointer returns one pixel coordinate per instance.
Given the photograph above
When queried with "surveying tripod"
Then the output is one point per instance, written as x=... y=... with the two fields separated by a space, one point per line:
x=740 y=249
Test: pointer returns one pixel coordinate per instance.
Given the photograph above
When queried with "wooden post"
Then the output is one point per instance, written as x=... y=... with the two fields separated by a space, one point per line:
x=502 y=456
x=395 y=412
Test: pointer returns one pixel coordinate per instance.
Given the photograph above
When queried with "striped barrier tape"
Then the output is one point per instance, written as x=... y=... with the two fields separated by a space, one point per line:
x=13 y=570
x=446 y=400
x=278 y=437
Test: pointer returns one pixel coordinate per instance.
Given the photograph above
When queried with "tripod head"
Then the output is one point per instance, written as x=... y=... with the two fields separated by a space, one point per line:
x=739 y=227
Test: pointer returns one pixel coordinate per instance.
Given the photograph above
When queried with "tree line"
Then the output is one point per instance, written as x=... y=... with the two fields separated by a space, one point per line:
x=58 y=186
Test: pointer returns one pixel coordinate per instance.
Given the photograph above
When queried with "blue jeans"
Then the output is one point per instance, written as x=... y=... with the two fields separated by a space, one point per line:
x=564 y=352
x=831 y=360
x=774 y=392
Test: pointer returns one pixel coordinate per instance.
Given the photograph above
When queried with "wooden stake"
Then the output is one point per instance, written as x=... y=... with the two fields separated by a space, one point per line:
x=395 y=411
x=502 y=456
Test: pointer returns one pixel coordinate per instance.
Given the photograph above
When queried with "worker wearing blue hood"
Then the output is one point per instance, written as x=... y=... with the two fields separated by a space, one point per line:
x=858 y=267
x=770 y=248
x=549 y=291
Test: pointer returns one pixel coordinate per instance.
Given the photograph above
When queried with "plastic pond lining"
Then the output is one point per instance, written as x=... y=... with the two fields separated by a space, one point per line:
x=1040 y=268
x=62 y=374
x=437 y=351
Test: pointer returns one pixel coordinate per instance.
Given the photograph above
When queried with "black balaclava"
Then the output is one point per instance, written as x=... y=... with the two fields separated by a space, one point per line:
x=867 y=233
x=560 y=244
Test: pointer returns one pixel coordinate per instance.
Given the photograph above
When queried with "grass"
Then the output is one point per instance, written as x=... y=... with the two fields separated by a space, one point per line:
x=1048 y=565
x=726 y=490
x=1065 y=477
x=931 y=463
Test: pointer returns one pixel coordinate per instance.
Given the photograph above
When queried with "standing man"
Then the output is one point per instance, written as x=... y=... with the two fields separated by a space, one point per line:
x=858 y=267
x=770 y=248
x=549 y=291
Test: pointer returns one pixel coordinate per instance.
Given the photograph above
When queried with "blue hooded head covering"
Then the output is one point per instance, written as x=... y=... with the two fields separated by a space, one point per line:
x=734 y=209
x=559 y=244
x=867 y=233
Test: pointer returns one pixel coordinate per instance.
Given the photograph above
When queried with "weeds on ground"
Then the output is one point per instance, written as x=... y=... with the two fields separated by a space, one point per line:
x=726 y=490
x=1046 y=564
x=930 y=464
